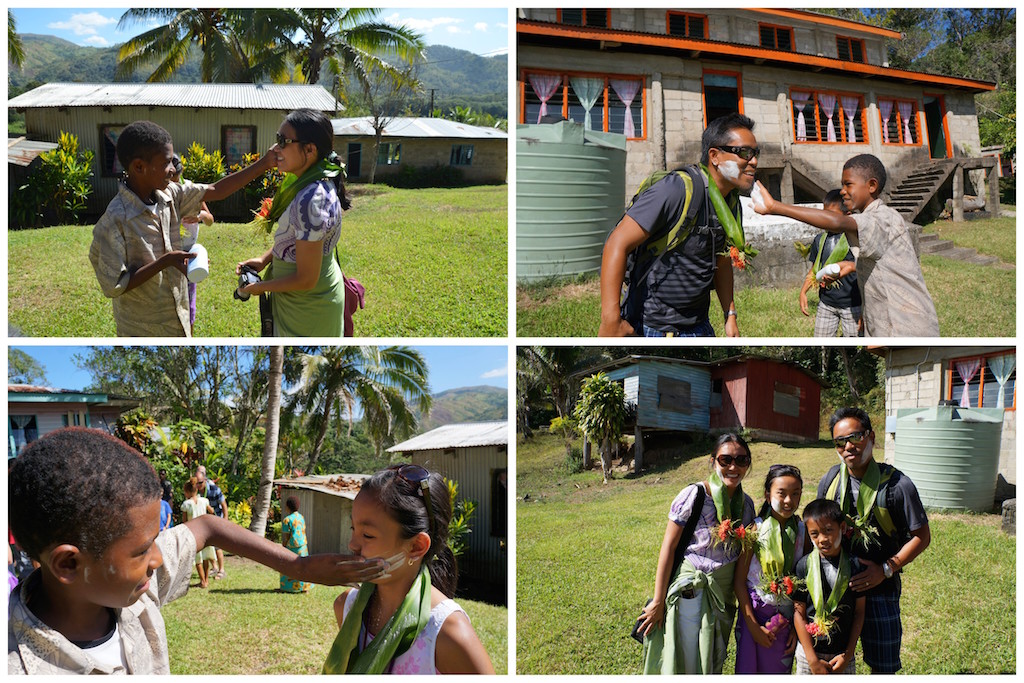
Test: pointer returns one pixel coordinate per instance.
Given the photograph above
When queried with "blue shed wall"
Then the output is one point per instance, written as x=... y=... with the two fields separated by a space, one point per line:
x=650 y=414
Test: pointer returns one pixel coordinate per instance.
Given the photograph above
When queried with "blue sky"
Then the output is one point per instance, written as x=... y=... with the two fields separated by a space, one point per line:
x=483 y=30
x=450 y=366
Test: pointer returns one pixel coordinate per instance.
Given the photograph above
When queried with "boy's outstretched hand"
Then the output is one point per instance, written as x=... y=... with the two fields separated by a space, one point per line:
x=335 y=569
x=763 y=201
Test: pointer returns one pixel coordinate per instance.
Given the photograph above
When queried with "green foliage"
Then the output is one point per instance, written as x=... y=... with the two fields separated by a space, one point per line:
x=601 y=409
x=23 y=368
x=574 y=461
x=460 y=524
x=57 y=189
x=414 y=177
x=136 y=428
x=240 y=513
x=474 y=118
x=262 y=187
x=201 y=166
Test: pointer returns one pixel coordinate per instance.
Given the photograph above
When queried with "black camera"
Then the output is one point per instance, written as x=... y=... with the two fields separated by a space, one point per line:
x=247 y=276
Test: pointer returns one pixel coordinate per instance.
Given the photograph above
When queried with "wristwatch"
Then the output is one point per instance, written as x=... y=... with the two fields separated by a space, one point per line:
x=887 y=569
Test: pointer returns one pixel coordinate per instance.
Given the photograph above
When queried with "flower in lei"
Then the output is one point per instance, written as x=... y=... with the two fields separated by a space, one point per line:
x=271 y=208
x=730 y=532
x=739 y=251
x=781 y=587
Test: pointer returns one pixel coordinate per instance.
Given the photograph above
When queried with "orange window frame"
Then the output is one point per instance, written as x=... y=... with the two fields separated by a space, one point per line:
x=948 y=393
x=686 y=15
x=607 y=16
x=776 y=29
x=739 y=90
x=821 y=139
x=918 y=137
x=849 y=48
x=564 y=102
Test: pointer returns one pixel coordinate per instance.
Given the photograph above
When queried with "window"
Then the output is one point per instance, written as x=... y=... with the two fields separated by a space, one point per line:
x=899 y=119
x=674 y=395
x=499 y=503
x=462 y=155
x=850 y=49
x=568 y=94
x=585 y=17
x=110 y=167
x=687 y=25
x=982 y=376
x=236 y=142
x=776 y=37
x=389 y=153
x=716 y=393
x=22 y=430
x=70 y=419
x=786 y=399
x=811 y=111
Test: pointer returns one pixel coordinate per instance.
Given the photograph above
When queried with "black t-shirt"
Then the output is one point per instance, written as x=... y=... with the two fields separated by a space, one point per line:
x=847 y=294
x=679 y=286
x=844 y=614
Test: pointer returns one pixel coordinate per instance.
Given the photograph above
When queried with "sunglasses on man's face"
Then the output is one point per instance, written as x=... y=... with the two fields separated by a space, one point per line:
x=728 y=460
x=420 y=478
x=856 y=437
x=282 y=141
x=745 y=153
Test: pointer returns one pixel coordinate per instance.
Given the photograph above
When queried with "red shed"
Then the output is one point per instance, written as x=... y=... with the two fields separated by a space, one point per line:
x=775 y=400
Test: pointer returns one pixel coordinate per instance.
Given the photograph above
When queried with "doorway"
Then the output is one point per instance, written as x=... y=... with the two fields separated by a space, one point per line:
x=934 y=117
x=355 y=157
x=722 y=95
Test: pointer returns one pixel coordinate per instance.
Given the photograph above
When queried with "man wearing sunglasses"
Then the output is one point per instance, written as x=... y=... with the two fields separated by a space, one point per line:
x=676 y=279
x=881 y=497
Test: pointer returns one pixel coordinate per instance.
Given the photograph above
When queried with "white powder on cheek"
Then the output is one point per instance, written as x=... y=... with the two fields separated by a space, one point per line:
x=85 y=575
x=730 y=169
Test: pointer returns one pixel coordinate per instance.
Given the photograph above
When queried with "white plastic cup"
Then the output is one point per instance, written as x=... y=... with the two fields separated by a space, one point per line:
x=189 y=234
x=199 y=267
x=831 y=269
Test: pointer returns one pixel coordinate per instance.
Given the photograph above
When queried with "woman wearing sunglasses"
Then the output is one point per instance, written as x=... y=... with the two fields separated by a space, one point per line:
x=304 y=280
x=405 y=622
x=687 y=624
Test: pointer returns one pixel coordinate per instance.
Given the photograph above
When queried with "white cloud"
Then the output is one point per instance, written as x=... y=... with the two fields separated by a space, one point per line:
x=83 y=24
x=455 y=29
x=497 y=372
x=501 y=25
x=426 y=25
x=98 y=41
x=480 y=26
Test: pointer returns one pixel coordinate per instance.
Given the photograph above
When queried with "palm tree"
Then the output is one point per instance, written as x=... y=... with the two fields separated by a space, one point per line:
x=385 y=381
x=262 y=510
x=238 y=45
x=348 y=41
x=15 y=50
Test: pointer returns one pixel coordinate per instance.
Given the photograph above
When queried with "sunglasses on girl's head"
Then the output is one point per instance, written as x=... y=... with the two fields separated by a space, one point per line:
x=745 y=153
x=282 y=141
x=420 y=478
x=855 y=437
x=728 y=460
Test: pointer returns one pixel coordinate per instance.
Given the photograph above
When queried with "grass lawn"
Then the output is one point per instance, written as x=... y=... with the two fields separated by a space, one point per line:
x=242 y=625
x=962 y=293
x=434 y=263
x=586 y=557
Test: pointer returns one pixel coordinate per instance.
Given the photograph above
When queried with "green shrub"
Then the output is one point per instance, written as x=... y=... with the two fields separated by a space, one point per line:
x=1008 y=190
x=574 y=461
x=459 y=525
x=201 y=166
x=418 y=177
x=264 y=186
x=57 y=189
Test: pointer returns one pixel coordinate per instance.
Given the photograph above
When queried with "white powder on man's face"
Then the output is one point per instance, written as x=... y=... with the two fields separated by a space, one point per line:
x=730 y=169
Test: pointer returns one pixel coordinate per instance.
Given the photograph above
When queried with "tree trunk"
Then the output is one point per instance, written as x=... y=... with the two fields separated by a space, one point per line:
x=262 y=511
x=373 y=159
x=850 y=380
x=606 y=458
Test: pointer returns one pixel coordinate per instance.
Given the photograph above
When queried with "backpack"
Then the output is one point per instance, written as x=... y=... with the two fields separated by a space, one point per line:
x=641 y=261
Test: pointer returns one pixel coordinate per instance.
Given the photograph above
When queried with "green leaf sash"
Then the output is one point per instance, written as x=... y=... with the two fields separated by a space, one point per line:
x=869 y=484
x=726 y=507
x=837 y=254
x=824 y=608
x=777 y=546
x=290 y=187
x=393 y=640
x=733 y=230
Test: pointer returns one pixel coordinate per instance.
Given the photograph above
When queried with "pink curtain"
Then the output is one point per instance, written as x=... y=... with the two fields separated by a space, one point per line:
x=885 y=107
x=626 y=91
x=800 y=101
x=967 y=369
x=906 y=111
x=544 y=85
x=850 y=109
x=828 y=106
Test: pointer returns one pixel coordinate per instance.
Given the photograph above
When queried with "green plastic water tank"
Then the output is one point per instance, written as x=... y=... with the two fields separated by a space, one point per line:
x=951 y=454
x=570 y=193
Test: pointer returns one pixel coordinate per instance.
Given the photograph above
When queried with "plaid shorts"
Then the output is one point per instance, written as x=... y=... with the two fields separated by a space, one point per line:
x=803 y=667
x=829 y=320
x=882 y=634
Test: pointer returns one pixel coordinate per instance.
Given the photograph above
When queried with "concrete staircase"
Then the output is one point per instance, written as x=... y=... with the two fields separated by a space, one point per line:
x=931 y=243
x=916 y=189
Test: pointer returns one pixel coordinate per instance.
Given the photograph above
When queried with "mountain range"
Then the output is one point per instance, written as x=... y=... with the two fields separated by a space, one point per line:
x=466 y=404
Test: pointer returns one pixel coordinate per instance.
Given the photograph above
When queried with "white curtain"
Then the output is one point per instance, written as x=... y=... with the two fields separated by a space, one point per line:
x=850 y=109
x=906 y=111
x=800 y=101
x=587 y=91
x=828 y=107
x=544 y=85
x=1002 y=368
x=885 y=107
x=626 y=90
x=967 y=369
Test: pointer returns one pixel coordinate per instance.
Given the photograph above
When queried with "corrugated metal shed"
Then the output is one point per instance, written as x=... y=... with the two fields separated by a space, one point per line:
x=417 y=127
x=327 y=510
x=187 y=95
x=461 y=435
x=23 y=152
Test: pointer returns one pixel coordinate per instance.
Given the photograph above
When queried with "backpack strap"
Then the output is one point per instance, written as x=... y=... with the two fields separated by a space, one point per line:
x=691 y=526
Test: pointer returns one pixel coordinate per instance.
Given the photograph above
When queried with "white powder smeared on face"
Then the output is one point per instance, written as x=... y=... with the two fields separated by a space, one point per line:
x=730 y=169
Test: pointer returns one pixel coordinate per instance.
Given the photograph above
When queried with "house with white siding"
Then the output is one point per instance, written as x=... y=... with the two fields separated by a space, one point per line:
x=234 y=118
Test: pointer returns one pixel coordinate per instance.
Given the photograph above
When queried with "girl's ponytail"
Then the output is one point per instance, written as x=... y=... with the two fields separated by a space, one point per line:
x=440 y=560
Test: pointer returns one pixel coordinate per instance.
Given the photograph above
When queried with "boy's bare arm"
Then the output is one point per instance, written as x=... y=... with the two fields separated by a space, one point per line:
x=840 y=662
x=800 y=622
x=228 y=185
x=819 y=218
x=172 y=259
x=803 y=292
x=327 y=569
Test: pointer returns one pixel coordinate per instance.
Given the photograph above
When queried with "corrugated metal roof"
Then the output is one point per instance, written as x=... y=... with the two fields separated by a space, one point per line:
x=463 y=435
x=319 y=482
x=195 y=95
x=418 y=127
x=22 y=152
